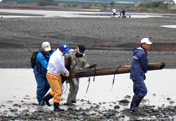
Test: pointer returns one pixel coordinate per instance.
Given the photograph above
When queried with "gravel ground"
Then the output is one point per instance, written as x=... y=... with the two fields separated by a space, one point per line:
x=109 y=41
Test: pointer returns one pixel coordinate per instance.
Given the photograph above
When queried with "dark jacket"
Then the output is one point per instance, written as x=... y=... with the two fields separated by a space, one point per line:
x=139 y=64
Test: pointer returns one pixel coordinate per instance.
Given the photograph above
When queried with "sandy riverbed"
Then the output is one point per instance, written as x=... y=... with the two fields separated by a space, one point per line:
x=101 y=102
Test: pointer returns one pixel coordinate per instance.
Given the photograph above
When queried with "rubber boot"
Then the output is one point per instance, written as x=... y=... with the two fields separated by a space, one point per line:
x=132 y=103
x=73 y=101
x=134 y=108
x=137 y=101
x=47 y=98
x=57 y=108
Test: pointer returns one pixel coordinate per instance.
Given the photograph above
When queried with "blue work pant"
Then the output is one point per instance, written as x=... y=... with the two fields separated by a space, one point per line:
x=42 y=87
x=139 y=88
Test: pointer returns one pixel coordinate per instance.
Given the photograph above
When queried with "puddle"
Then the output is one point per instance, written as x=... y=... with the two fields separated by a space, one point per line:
x=168 y=26
x=145 y=16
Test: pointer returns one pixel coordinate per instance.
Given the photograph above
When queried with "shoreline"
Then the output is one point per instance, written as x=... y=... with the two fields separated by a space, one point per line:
x=76 y=13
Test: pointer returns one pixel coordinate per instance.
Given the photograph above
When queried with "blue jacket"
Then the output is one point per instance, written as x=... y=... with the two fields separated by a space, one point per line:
x=139 y=64
x=41 y=67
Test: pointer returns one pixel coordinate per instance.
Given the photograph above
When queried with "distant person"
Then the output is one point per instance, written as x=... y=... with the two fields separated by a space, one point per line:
x=122 y=13
x=56 y=67
x=113 y=12
x=139 y=67
x=40 y=70
x=78 y=62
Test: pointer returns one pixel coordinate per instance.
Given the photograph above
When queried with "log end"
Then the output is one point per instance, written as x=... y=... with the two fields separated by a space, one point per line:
x=162 y=65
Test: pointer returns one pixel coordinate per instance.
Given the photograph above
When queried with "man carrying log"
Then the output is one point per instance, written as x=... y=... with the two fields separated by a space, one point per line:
x=78 y=61
x=55 y=68
x=139 y=67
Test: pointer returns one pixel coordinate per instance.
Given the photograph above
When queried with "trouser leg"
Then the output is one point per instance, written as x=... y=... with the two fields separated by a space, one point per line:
x=135 y=90
x=56 y=89
x=71 y=90
x=56 y=86
x=139 y=88
x=39 y=96
x=47 y=87
x=40 y=88
x=74 y=86
x=140 y=91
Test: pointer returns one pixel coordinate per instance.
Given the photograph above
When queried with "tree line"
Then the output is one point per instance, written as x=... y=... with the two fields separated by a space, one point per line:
x=153 y=4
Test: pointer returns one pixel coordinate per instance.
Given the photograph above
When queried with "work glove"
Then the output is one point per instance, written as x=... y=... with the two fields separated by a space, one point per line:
x=66 y=74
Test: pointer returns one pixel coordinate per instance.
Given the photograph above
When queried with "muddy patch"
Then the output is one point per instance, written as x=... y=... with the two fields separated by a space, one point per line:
x=93 y=112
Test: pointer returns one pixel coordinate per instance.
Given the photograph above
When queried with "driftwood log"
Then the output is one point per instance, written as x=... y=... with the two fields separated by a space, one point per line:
x=118 y=70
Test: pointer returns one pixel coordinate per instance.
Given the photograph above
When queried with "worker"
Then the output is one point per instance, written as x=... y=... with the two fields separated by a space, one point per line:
x=56 y=67
x=113 y=12
x=40 y=70
x=78 y=62
x=122 y=13
x=139 y=67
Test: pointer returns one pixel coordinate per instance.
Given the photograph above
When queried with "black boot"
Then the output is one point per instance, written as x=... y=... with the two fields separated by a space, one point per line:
x=57 y=108
x=47 y=98
x=136 y=103
x=73 y=101
x=138 y=100
x=132 y=103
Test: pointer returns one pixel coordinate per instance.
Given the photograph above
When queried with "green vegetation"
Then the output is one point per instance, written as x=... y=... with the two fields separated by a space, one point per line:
x=68 y=5
x=154 y=4
x=73 y=5
x=95 y=5
x=104 y=6
x=46 y=2
x=86 y=6
x=112 y=3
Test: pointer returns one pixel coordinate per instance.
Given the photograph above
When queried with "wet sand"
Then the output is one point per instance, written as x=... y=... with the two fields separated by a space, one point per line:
x=102 y=101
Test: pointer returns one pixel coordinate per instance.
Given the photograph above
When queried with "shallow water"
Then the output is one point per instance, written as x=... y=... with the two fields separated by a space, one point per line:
x=168 y=26
x=18 y=86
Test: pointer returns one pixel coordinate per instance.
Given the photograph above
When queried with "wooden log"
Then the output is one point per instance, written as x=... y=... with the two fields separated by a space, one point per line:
x=118 y=70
